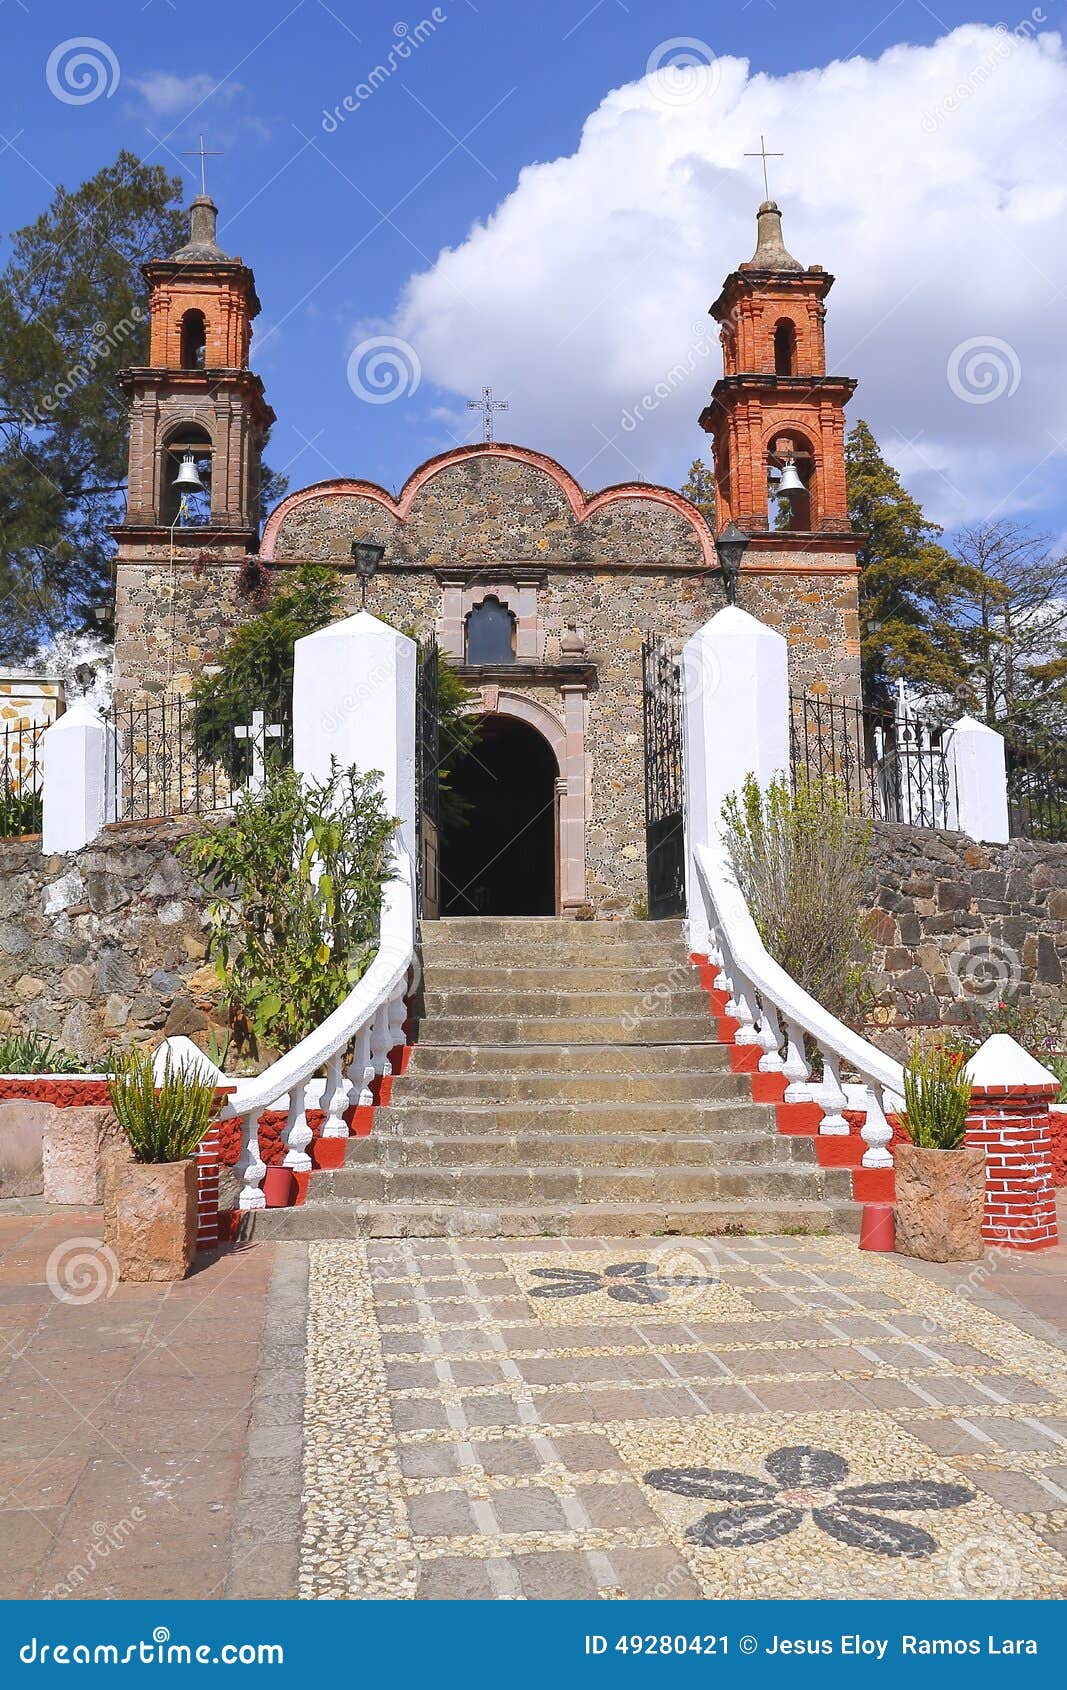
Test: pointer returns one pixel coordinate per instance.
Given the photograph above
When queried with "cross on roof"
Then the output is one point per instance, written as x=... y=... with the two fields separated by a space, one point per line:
x=487 y=405
x=764 y=155
x=201 y=152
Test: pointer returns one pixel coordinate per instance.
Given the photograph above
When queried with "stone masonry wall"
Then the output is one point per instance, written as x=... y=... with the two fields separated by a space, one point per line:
x=105 y=946
x=954 y=920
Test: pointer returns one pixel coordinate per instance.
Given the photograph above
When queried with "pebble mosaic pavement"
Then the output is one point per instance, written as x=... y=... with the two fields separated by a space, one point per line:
x=774 y=1417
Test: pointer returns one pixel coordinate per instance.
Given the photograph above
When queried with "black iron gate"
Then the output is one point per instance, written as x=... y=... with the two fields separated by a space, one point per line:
x=664 y=835
x=427 y=782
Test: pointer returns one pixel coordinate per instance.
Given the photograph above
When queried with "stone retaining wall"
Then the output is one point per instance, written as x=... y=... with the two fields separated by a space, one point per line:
x=108 y=945
x=954 y=920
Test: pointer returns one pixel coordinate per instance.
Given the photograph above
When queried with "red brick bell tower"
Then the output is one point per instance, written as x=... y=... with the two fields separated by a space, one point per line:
x=196 y=402
x=776 y=417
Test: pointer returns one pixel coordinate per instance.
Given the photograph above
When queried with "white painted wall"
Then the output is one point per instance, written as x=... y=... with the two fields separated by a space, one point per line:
x=979 y=805
x=76 y=771
x=354 y=700
x=735 y=682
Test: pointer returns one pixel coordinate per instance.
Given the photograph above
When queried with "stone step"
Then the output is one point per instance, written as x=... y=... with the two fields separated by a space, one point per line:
x=395 y=1146
x=457 y=1091
x=643 y=1010
x=489 y=933
x=474 y=1186
x=598 y=975
x=541 y=1220
x=537 y=1117
x=428 y=1057
x=549 y=1030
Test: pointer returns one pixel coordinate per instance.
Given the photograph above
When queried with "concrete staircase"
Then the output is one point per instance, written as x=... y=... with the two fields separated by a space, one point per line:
x=566 y=1079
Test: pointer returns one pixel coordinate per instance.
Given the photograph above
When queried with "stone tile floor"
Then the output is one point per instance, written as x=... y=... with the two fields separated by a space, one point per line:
x=552 y=1418
x=728 y=1417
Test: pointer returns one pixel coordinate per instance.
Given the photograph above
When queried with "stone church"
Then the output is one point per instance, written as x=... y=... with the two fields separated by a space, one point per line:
x=538 y=589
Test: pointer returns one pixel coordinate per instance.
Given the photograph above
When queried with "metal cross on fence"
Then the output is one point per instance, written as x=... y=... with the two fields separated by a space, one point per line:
x=487 y=405
x=764 y=155
x=257 y=732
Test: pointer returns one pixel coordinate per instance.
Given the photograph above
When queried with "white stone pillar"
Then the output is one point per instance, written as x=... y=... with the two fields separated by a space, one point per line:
x=354 y=700
x=735 y=682
x=978 y=781
x=78 y=767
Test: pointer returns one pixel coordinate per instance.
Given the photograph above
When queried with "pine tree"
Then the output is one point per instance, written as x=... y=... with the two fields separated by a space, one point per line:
x=912 y=589
x=699 y=489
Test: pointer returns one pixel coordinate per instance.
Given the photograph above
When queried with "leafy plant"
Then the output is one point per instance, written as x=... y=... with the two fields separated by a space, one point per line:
x=20 y=812
x=800 y=858
x=1030 y=1024
x=164 y=1120
x=36 y=1053
x=296 y=879
x=255 y=669
x=937 y=1096
x=1057 y=1061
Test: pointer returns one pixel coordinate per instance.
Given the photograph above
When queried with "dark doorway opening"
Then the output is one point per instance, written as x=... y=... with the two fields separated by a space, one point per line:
x=503 y=861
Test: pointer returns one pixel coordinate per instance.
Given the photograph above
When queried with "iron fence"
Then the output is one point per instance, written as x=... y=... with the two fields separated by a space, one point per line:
x=173 y=756
x=21 y=777
x=1037 y=786
x=885 y=767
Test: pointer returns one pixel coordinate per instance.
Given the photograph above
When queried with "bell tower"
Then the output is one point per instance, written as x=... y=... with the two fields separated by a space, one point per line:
x=197 y=398
x=198 y=422
x=777 y=424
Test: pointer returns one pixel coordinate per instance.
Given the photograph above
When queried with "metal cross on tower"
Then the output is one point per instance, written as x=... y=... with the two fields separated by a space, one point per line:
x=201 y=152
x=764 y=155
x=258 y=731
x=487 y=405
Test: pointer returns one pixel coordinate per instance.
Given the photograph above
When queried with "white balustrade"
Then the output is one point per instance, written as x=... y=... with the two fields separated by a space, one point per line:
x=335 y=1097
x=298 y=1133
x=762 y=996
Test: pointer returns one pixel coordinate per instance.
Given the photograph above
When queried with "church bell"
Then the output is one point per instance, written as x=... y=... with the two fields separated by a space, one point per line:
x=789 y=482
x=187 y=478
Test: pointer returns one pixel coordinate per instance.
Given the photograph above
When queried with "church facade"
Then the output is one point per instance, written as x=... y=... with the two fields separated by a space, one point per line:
x=540 y=591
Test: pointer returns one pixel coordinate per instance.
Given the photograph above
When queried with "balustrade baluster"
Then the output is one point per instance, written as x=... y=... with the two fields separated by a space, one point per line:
x=335 y=1097
x=832 y=1097
x=795 y=1067
x=770 y=1037
x=876 y=1133
x=251 y=1166
x=298 y=1134
x=362 y=1069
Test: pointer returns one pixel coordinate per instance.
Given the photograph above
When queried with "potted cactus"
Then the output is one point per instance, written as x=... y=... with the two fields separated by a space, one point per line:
x=150 y=1195
x=940 y=1182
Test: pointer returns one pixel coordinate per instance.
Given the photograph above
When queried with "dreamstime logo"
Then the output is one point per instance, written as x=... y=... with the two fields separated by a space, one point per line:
x=684 y=70
x=699 y=674
x=81 y=69
x=983 y=369
x=984 y=969
x=984 y=1569
x=702 y=346
x=1001 y=48
x=384 y=368
x=82 y=1270
x=683 y=1272
x=105 y=340
x=406 y=41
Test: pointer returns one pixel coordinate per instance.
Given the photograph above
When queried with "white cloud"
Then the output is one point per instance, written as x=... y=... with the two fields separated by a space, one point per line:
x=167 y=95
x=927 y=181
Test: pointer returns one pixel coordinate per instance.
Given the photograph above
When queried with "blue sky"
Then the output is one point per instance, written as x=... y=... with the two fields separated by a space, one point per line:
x=345 y=222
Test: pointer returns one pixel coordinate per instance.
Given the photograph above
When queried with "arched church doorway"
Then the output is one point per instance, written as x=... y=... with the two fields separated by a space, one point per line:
x=503 y=861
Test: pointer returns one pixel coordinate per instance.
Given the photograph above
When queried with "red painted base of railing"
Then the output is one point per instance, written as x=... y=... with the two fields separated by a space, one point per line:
x=1011 y=1123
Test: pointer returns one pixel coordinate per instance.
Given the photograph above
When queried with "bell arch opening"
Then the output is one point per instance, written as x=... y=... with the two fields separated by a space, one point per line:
x=503 y=860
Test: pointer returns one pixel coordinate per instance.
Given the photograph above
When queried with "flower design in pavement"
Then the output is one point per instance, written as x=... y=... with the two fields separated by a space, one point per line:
x=807 y=1481
x=625 y=1282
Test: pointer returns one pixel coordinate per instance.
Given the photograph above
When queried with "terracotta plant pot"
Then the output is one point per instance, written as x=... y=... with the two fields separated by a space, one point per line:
x=940 y=1197
x=150 y=1217
x=278 y=1184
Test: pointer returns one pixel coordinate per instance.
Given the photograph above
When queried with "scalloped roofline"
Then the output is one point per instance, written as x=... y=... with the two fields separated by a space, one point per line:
x=581 y=506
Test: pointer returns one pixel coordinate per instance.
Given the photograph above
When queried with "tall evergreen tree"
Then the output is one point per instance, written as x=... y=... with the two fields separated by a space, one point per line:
x=1015 y=623
x=699 y=489
x=912 y=589
x=73 y=311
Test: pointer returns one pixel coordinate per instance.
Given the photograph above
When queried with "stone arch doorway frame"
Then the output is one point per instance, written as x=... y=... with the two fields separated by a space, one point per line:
x=566 y=740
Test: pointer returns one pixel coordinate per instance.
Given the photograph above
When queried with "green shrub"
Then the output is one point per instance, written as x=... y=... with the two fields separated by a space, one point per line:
x=20 y=812
x=37 y=1053
x=296 y=880
x=800 y=857
x=937 y=1096
x=163 y=1120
